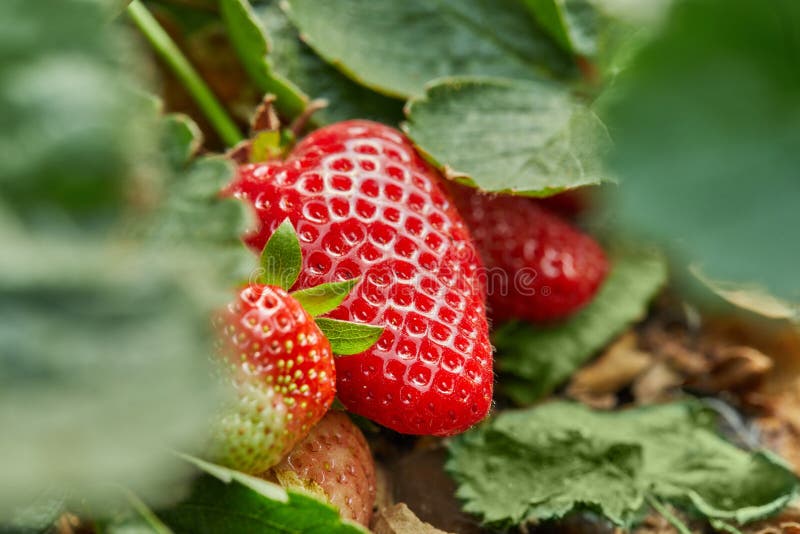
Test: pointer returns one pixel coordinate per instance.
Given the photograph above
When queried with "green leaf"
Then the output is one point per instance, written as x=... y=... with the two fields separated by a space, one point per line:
x=701 y=170
x=294 y=60
x=229 y=502
x=537 y=359
x=572 y=23
x=281 y=259
x=397 y=47
x=323 y=298
x=547 y=461
x=348 y=338
x=504 y=135
x=253 y=48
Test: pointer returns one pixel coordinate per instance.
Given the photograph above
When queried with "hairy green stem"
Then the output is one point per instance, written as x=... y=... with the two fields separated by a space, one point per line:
x=166 y=48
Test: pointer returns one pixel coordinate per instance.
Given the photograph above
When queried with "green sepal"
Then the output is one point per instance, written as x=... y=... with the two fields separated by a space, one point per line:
x=321 y=299
x=266 y=146
x=271 y=145
x=281 y=259
x=348 y=338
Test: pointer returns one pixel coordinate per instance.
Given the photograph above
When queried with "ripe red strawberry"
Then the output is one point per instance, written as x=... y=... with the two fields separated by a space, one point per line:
x=547 y=269
x=366 y=205
x=335 y=458
x=279 y=358
x=282 y=368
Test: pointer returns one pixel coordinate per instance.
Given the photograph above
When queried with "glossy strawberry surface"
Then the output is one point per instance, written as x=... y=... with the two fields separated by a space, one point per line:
x=335 y=456
x=366 y=205
x=282 y=368
x=539 y=266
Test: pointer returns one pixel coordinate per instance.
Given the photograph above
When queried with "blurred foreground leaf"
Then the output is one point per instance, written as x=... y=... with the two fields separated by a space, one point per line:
x=105 y=287
x=538 y=359
x=706 y=122
x=506 y=135
x=560 y=457
x=63 y=152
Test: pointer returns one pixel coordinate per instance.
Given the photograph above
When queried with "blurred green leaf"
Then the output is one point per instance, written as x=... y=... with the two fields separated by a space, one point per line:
x=508 y=135
x=62 y=102
x=101 y=364
x=547 y=461
x=397 y=47
x=37 y=516
x=224 y=501
x=112 y=262
x=706 y=123
x=537 y=359
x=295 y=61
x=190 y=213
x=181 y=139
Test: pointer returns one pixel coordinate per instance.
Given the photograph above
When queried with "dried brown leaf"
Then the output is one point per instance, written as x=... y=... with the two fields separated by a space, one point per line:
x=597 y=383
x=399 y=519
x=656 y=383
x=734 y=368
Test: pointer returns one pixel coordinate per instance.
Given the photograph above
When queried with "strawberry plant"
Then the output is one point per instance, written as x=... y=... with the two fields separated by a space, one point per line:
x=455 y=266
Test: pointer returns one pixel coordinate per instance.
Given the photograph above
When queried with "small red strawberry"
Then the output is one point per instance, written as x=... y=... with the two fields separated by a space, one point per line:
x=366 y=205
x=334 y=458
x=539 y=267
x=279 y=360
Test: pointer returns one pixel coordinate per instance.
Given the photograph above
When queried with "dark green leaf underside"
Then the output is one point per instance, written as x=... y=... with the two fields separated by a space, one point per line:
x=397 y=47
x=294 y=60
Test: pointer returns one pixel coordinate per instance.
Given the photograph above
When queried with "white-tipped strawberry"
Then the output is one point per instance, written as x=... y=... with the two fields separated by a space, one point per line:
x=333 y=459
x=279 y=358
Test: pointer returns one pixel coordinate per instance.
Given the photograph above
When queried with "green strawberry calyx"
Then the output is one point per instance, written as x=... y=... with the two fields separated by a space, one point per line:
x=281 y=262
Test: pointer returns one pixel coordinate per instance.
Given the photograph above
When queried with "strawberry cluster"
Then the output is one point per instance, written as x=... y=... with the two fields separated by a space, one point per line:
x=373 y=289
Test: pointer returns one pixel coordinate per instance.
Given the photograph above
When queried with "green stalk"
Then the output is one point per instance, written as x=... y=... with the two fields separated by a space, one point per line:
x=166 y=48
x=671 y=518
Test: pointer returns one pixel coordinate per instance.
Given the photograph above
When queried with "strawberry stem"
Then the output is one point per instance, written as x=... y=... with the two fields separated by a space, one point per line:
x=301 y=121
x=166 y=48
